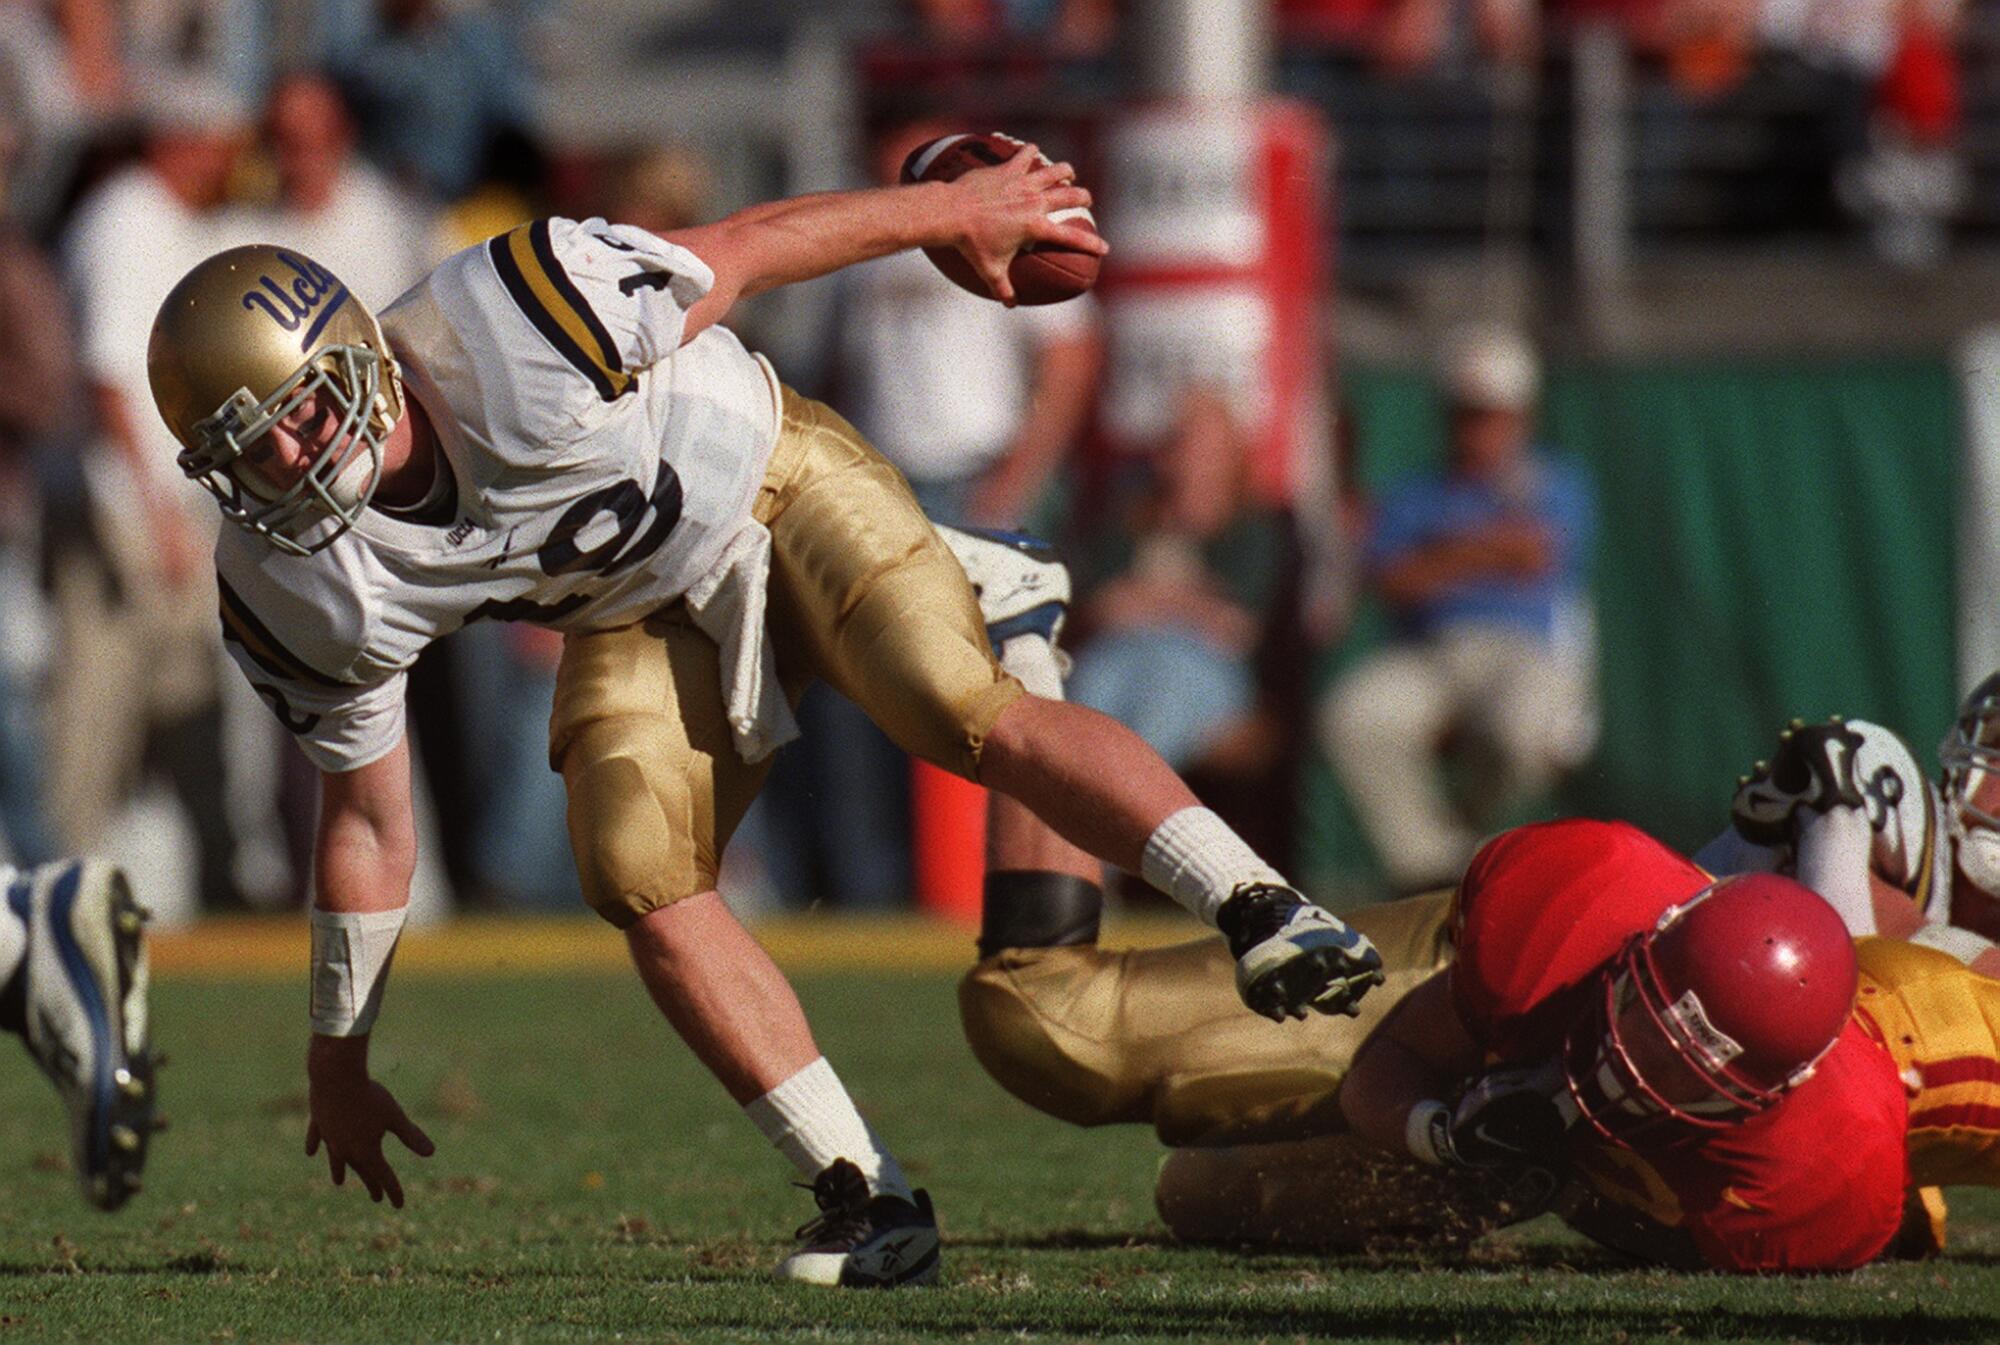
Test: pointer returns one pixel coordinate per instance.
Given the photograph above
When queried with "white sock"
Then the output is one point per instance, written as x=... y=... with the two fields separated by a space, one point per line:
x=13 y=929
x=1197 y=860
x=812 y=1120
x=1037 y=664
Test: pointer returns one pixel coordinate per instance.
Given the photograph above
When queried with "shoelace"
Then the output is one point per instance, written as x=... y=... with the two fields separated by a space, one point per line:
x=842 y=1212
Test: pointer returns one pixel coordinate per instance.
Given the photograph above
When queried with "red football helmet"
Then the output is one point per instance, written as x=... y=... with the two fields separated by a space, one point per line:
x=1740 y=990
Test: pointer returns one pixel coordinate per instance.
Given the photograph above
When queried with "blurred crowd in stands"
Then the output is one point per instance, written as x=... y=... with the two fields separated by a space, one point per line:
x=137 y=136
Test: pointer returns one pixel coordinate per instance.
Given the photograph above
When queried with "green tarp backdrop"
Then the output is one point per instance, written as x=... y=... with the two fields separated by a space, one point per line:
x=1775 y=539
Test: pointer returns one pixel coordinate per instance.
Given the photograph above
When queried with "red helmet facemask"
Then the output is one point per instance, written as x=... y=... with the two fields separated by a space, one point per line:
x=1739 y=992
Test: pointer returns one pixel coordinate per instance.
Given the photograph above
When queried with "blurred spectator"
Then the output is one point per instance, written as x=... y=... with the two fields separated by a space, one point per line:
x=1417 y=37
x=61 y=80
x=1912 y=178
x=1482 y=569
x=1075 y=25
x=1169 y=633
x=1883 y=78
x=657 y=187
x=333 y=206
x=138 y=637
x=1349 y=24
x=504 y=675
x=38 y=378
x=223 y=41
x=436 y=87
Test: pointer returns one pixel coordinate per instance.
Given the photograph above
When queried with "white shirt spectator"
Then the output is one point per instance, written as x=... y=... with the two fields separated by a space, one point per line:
x=130 y=241
x=376 y=238
x=940 y=378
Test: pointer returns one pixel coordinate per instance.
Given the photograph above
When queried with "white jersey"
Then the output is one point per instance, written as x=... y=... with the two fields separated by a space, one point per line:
x=601 y=469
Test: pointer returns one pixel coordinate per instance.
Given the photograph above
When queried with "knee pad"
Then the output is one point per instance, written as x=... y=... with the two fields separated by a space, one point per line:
x=630 y=824
x=1043 y=1023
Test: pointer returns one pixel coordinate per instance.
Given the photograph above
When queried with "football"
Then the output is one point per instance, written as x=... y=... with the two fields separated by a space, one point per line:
x=1041 y=274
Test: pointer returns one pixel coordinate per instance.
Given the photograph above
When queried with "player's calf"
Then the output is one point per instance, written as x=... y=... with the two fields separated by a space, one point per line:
x=1033 y=908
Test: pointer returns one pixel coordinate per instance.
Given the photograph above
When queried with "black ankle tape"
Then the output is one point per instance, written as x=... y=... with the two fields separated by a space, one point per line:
x=1033 y=908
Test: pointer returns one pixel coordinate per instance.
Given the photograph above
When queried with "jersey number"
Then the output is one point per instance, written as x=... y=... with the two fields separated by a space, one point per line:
x=297 y=723
x=627 y=503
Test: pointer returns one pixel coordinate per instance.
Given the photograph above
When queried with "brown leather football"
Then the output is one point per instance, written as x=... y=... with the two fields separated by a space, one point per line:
x=1042 y=273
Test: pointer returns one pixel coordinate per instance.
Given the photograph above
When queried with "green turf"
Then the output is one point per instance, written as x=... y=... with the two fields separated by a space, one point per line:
x=592 y=1184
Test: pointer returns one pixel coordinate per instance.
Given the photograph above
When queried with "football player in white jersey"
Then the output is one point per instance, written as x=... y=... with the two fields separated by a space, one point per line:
x=73 y=985
x=554 y=427
x=1845 y=807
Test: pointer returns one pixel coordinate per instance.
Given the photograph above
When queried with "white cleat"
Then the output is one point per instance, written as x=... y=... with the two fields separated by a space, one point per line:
x=1022 y=587
x=1293 y=956
x=85 y=1007
x=861 y=1240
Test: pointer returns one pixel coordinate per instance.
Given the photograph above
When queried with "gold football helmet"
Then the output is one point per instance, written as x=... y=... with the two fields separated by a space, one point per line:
x=245 y=339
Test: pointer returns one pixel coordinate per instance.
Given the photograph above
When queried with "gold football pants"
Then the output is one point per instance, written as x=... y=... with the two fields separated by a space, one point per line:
x=863 y=593
x=1159 y=1036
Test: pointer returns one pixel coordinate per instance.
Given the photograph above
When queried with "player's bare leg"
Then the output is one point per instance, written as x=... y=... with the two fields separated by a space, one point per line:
x=723 y=995
x=1105 y=792
x=736 y=1011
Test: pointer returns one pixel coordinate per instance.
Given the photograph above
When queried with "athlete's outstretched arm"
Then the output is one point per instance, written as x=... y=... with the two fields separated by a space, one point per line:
x=365 y=854
x=989 y=214
x=1421 y=1053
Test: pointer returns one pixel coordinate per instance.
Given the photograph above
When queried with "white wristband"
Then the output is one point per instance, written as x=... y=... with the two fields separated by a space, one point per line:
x=1420 y=1131
x=350 y=967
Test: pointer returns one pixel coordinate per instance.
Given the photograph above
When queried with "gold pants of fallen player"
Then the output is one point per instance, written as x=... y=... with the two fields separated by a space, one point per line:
x=1159 y=1037
x=863 y=594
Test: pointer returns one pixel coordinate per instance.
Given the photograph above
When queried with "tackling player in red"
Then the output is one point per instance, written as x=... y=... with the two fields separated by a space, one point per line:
x=1686 y=1044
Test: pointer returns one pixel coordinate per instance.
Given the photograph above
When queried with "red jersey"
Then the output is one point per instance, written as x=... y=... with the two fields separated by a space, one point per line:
x=1814 y=1183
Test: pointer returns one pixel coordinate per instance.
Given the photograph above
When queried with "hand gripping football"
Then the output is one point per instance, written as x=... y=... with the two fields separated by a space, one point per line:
x=1042 y=273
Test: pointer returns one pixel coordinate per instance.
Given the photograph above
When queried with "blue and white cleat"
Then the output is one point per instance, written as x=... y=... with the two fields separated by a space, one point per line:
x=861 y=1240
x=84 y=1000
x=1292 y=956
x=1022 y=586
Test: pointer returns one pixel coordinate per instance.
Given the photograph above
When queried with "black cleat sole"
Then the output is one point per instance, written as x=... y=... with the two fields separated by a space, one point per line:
x=1323 y=980
x=128 y=1118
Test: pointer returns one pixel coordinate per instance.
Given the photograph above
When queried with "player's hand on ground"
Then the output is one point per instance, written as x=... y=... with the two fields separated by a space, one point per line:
x=1006 y=208
x=351 y=1114
x=1813 y=767
x=1512 y=1117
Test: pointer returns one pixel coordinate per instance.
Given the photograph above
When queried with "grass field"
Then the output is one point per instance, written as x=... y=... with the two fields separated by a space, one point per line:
x=592 y=1184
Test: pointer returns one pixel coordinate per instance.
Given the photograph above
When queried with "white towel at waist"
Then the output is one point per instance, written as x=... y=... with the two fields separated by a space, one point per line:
x=727 y=604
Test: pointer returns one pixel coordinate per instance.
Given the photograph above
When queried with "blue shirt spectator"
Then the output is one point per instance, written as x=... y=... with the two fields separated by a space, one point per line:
x=1481 y=567
x=1539 y=492
x=433 y=87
